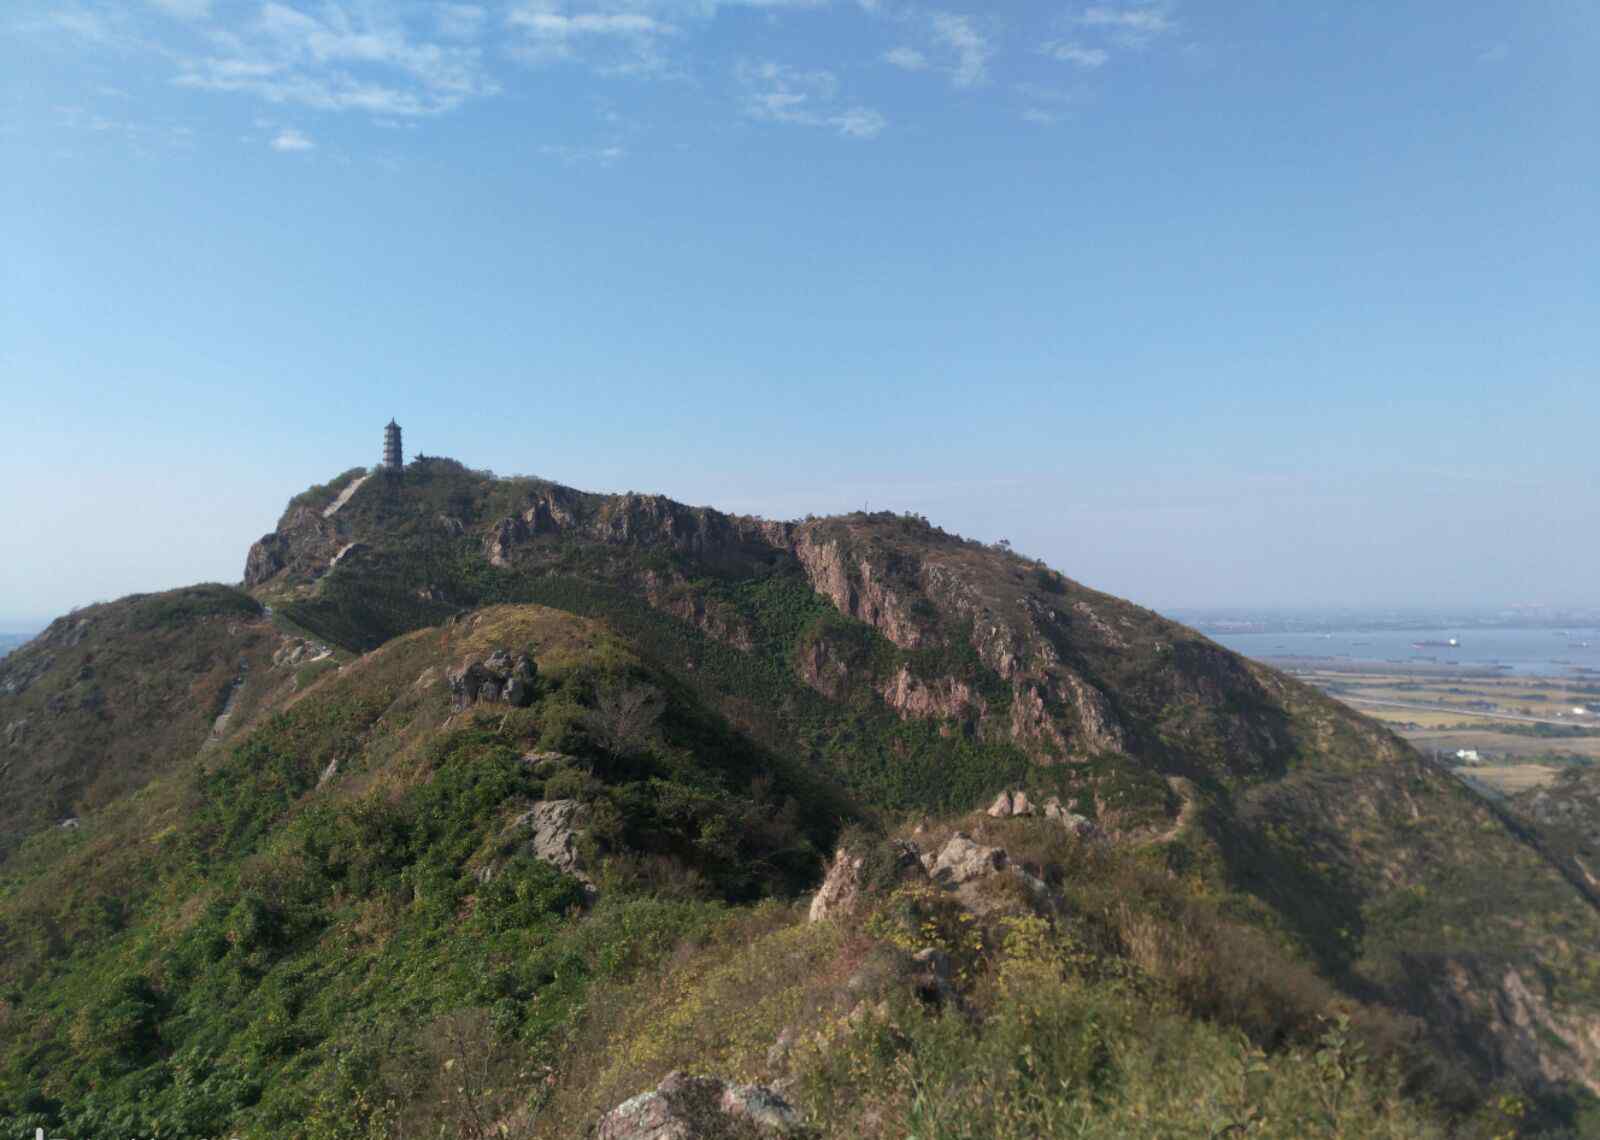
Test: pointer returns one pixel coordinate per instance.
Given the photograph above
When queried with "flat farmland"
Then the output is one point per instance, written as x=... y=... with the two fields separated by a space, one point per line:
x=1524 y=729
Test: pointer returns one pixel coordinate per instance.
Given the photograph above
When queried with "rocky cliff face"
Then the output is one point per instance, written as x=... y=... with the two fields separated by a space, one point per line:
x=1352 y=841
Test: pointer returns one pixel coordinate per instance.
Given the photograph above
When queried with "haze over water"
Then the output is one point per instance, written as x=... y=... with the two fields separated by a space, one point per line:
x=1517 y=652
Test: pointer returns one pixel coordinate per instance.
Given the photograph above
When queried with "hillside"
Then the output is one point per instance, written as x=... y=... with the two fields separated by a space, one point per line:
x=1565 y=819
x=111 y=694
x=572 y=754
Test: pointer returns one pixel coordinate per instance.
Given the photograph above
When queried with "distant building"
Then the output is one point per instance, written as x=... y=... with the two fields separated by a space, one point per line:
x=394 y=456
x=1467 y=755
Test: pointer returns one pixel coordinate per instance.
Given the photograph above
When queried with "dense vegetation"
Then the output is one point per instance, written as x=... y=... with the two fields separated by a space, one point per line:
x=272 y=960
x=321 y=915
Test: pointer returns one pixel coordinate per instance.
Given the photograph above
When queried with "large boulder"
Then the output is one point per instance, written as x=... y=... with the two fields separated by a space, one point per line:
x=841 y=887
x=498 y=678
x=701 y=1108
x=961 y=861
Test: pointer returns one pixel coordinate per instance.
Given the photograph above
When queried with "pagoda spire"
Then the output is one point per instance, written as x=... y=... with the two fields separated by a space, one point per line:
x=394 y=457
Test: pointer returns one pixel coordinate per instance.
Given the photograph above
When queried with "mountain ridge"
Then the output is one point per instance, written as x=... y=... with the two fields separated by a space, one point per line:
x=914 y=672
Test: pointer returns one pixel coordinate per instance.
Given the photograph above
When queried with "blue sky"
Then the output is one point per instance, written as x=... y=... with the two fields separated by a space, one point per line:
x=1207 y=304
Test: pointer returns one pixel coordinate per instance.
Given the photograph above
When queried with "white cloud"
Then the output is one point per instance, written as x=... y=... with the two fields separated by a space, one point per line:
x=613 y=42
x=339 y=61
x=859 y=123
x=777 y=93
x=554 y=25
x=1044 y=106
x=1068 y=51
x=907 y=59
x=972 y=49
x=84 y=24
x=607 y=155
x=290 y=140
x=1133 y=25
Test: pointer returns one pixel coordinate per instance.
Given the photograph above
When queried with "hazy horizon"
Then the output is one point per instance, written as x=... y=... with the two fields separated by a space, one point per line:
x=159 y=562
x=1205 y=306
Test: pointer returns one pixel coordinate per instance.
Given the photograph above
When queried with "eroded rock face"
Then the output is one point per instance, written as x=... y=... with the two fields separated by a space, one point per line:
x=266 y=558
x=683 y=1107
x=945 y=698
x=498 y=678
x=1522 y=1023
x=555 y=825
x=856 y=587
x=841 y=887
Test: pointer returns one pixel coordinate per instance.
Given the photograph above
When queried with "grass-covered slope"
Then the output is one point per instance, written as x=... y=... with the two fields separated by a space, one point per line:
x=923 y=671
x=328 y=918
x=107 y=696
x=292 y=935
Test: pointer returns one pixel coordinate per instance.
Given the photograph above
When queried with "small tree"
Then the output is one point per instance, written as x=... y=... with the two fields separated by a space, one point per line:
x=623 y=720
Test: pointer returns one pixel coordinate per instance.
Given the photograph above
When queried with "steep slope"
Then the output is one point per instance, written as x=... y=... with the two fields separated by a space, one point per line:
x=1565 y=819
x=938 y=670
x=567 y=742
x=108 y=696
x=286 y=936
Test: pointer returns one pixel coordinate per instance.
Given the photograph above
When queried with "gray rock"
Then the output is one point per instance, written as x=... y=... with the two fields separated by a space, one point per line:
x=961 y=861
x=499 y=677
x=841 y=887
x=1001 y=808
x=701 y=1108
x=933 y=961
x=1071 y=820
x=555 y=825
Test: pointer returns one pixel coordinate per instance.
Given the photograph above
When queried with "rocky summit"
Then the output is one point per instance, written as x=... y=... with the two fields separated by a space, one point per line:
x=491 y=807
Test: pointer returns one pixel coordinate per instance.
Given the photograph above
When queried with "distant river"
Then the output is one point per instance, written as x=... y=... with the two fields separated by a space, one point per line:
x=1525 y=652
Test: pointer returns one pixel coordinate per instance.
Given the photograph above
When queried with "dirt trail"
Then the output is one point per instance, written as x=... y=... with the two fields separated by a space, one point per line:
x=344 y=496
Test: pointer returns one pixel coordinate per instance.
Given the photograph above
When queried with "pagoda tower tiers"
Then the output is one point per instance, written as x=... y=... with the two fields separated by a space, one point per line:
x=394 y=456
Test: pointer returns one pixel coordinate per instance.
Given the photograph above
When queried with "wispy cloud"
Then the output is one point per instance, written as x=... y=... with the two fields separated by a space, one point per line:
x=1134 y=25
x=339 y=60
x=615 y=42
x=972 y=49
x=776 y=93
x=1043 y=105
x=1069 y=51
x=954 y=47
x=906 y=58
x=605 y=155
x=290 y=140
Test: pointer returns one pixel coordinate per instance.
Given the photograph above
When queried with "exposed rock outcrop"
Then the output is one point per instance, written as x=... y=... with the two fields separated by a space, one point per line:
x=961 y=860
x=555 y=825
x=841 y=887
x=944 y=699
x=498 y=678
x=856 y=586
x=683 y=1107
